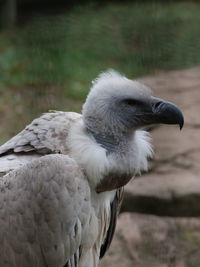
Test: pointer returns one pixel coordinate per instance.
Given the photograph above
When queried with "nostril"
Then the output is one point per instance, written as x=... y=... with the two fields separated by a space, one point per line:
x=156 y=105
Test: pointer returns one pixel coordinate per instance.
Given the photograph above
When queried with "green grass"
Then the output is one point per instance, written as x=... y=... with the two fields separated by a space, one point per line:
x=50 y=62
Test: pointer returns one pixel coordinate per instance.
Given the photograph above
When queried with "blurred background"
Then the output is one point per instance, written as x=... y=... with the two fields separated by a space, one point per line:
x=51 y=50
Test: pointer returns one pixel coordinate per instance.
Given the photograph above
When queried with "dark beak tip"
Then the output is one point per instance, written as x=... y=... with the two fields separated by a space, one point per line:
x=174 y=114
x=181 y=124
x=179 y=117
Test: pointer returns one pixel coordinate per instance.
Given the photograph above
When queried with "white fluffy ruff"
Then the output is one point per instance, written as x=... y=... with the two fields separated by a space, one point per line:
x=91 y=156
x=96 y=163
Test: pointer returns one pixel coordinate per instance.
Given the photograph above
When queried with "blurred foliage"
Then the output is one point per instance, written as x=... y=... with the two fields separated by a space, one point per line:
x=49 y=62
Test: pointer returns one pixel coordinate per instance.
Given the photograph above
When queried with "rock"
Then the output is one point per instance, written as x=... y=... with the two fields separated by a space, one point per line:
x=172 y=186
x=164 y=194
x=151 y=241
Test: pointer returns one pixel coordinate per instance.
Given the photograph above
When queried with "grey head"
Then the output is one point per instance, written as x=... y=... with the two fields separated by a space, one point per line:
x=116 y=107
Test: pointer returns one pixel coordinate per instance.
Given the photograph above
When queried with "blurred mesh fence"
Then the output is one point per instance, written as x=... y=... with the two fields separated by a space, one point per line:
x=48 y=62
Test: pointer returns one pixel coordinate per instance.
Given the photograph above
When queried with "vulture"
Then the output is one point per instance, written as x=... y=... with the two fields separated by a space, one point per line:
x=62 y=177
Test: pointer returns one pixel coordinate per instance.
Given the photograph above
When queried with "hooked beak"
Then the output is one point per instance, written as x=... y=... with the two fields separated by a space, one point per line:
x=163 y=112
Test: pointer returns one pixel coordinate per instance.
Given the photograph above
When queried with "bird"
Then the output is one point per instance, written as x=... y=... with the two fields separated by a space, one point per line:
x=62 y=177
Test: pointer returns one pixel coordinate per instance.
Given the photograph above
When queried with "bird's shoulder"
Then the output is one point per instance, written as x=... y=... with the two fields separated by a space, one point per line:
x=43 y=135
x=52 y=195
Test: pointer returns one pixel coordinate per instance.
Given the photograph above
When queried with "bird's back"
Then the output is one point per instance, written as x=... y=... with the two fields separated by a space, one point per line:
x=45 y=211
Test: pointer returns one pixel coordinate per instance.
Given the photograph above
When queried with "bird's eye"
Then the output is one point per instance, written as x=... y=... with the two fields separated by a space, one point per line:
x=130 y=102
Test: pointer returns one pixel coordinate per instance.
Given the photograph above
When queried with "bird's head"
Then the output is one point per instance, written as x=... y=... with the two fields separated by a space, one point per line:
x=116 y=105
x=115 y=109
